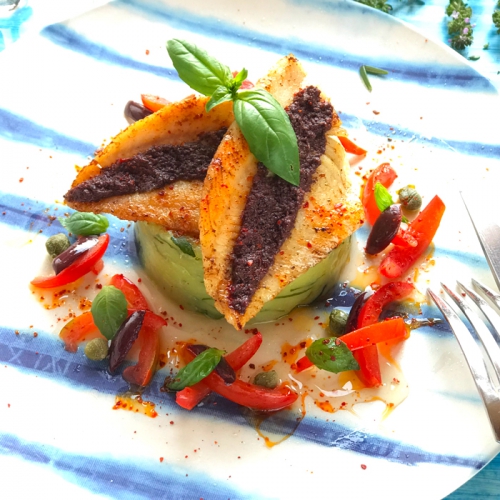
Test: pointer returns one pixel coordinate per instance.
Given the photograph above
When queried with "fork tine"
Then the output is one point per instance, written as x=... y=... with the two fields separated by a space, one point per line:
x=490 y=344
x=487 y=310
x=474 y=358
x=488 y=292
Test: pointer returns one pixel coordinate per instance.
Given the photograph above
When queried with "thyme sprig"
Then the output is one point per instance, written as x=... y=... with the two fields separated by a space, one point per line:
x=377 y=4
x=496 y=17
x=459 y=27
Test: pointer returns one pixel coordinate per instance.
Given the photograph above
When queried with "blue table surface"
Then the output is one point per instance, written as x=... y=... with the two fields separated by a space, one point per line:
x=428 y=16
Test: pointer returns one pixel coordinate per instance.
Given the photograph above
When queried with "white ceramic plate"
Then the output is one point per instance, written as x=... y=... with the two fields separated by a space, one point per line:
x=62 y=95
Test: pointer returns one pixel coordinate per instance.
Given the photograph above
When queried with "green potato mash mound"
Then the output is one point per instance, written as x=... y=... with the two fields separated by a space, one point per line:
x=171 y=265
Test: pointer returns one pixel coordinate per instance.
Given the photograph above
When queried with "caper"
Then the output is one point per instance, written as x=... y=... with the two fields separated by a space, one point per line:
x=57 y=244
x=267 y=379
x=410 y=199
x=96 y=349
x=337 y=322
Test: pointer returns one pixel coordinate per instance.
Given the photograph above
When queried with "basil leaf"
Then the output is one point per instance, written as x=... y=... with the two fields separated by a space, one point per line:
x=184 y=245
x=109 y=310
x=201 y=366
x=236 y=82
x=269 y=133
x=382 y=197
x=197 y=68
x=221 y=94
x=331 y=354
x=85 y=223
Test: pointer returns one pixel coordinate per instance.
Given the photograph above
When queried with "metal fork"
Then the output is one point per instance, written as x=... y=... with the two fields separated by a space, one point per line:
x=488 y=389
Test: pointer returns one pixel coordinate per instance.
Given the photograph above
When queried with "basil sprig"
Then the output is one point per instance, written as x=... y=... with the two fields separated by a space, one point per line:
x=109 y=310
x=201 y=366
x=383 y=198
x=331 y=354
x=85 y=223
x=263 y=122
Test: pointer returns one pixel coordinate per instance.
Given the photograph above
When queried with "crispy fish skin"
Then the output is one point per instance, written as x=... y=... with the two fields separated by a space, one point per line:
x=330 y=212
x=177 y=205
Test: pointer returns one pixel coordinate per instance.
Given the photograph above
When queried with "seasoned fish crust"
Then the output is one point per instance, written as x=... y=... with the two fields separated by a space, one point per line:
x=175 y=206
x=331 y=211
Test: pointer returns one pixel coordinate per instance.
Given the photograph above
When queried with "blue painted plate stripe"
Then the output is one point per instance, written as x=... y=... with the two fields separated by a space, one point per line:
x=69 y=39
x=51 y=361
x=467 y=79
x=17 y=128
x=107 y=475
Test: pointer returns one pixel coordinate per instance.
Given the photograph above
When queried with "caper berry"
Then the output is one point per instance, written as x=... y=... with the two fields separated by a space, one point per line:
x=96 y=349
x=410 y=199
x=57 y=244
x=338 y=320
x=267 y=379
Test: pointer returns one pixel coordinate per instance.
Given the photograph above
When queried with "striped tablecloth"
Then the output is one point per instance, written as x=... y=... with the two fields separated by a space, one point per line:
x=427 y=16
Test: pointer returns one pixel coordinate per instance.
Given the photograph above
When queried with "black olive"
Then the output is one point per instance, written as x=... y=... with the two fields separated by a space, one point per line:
x=77 y=249
x=223 y=369
x=352 y=319
x=134 y=111
x=124 y=339
x=384 y=230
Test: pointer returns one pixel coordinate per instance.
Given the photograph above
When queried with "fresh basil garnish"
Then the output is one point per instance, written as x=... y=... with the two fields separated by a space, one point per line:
x=85 y=223
x=263 y=122
x=109 y=310
x=184 y=245
x=383 y=198
x=201 y=366
x=269 y=133
x=331 y=354
x=221 y=94
x=197 y=68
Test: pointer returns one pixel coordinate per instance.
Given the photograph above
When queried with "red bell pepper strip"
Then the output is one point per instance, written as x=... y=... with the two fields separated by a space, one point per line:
x=350 y=146
x=423 y=229
x=189 y=397
x=153 y=102
x=98 y=267
x=251 y=395
x=404 y=239
x=303 y=364
x=141 y=373
x=133 y=295
x=386 y=294
x=78 y=330
x=369 y=366
x=384 y=174
x=390 y=329
x=79 y=268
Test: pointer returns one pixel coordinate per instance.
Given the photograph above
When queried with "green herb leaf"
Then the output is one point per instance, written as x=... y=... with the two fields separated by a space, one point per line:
x=486 y=46
x=201 y=366
x=197 y=68
x=85 y=223
x=375 y=71
x=269 y=133
x=474 y=58
x=331 y=354
x=379 y=4
x=184 y=245
x=382 y=197
x=404 y=219
x=221 y=94
x=364 y=77
x=238 y=80
x=109 y=310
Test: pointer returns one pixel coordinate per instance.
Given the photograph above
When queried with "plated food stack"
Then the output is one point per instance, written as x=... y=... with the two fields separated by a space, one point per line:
x=265 y=245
